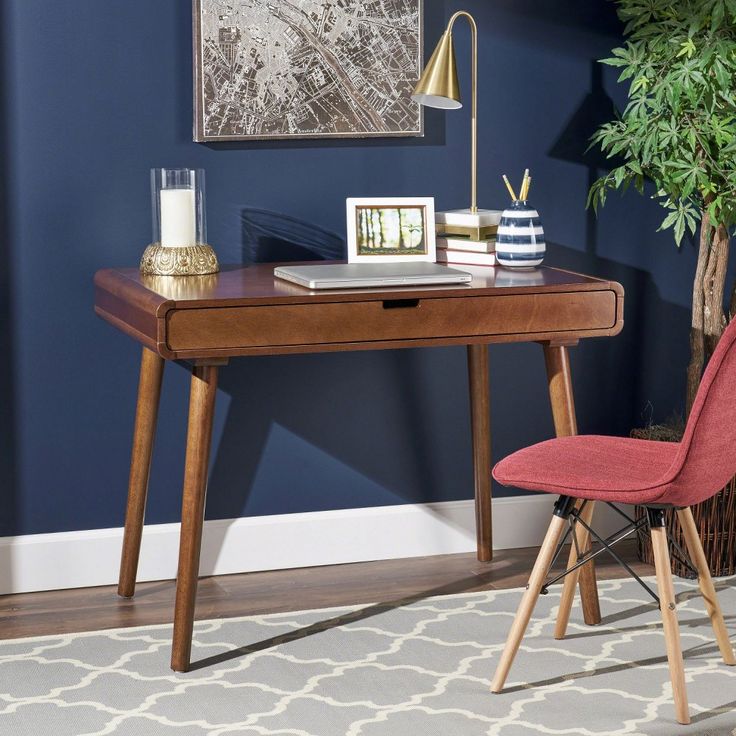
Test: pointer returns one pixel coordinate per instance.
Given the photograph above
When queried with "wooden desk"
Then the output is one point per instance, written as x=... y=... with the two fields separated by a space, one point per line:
x=206 y=320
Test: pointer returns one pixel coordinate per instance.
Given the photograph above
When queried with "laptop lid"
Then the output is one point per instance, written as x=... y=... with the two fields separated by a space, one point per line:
x=363 y=275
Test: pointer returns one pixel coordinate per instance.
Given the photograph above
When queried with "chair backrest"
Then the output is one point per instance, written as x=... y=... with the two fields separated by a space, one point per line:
x=706 y=459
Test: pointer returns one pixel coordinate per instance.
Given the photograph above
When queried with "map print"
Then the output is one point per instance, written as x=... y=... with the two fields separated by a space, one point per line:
x=306 y=68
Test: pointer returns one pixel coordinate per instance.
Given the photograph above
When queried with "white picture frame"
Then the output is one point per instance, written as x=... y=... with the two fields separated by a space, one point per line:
x=391 y=229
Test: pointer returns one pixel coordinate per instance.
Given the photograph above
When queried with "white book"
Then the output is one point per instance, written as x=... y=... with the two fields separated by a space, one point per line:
x=466 y=218
x=468 y=258
x=466 y=244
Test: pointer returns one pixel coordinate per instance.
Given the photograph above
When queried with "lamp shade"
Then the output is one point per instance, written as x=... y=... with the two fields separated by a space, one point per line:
x=438 y=85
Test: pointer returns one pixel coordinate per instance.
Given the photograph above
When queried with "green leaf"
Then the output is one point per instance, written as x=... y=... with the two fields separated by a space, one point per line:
x=679 y=227
x=687 y=48
x=719 y=11
x=669 y=221
x=614 y=61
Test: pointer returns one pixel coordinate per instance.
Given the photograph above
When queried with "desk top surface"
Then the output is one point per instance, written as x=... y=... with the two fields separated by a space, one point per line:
x=247 y=311
x=256 y=284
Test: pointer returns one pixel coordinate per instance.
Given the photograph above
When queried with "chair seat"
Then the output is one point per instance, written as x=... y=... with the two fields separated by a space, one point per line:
x=617 y=469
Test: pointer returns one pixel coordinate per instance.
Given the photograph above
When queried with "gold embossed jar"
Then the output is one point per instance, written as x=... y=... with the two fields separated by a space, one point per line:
x=179 y=246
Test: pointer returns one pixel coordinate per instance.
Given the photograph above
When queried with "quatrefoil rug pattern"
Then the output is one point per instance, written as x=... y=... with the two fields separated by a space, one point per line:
x=392 y=669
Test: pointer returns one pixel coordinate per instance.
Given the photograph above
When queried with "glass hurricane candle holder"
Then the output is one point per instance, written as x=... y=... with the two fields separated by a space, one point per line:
x=179 y=246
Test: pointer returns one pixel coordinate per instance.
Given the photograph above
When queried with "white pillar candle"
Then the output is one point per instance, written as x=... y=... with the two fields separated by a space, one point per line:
x=178 y=218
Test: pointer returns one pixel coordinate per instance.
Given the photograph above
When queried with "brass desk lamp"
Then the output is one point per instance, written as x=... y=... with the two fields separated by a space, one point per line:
x=438 y=87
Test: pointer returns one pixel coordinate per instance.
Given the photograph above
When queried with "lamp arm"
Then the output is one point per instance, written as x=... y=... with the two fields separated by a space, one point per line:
x=473 y=104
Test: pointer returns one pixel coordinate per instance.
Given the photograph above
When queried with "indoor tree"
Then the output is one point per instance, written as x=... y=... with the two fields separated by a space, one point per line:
x=678 y=130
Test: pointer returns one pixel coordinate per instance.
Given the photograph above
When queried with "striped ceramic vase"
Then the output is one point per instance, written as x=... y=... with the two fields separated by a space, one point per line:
x=520 y=239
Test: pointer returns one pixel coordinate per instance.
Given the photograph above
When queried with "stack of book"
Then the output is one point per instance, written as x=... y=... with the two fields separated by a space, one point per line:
x=465 y=237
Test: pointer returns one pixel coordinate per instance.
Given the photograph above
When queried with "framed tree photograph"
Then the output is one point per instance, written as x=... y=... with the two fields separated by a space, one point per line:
x=266 y=69
x=385 y=229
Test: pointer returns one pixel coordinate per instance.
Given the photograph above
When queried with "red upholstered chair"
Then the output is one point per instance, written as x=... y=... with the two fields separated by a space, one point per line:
x=658 y=475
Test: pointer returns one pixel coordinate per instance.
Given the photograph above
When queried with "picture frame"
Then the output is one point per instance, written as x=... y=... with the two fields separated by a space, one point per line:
x=338 y=72
x=391 y=229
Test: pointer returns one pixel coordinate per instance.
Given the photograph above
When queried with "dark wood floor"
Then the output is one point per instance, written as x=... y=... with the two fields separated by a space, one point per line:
x=87 y=609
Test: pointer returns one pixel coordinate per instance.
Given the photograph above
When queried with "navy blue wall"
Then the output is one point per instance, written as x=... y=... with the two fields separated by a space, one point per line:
x=95 y=93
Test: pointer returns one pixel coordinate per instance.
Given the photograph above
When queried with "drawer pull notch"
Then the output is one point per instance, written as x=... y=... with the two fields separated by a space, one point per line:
x=400 y=303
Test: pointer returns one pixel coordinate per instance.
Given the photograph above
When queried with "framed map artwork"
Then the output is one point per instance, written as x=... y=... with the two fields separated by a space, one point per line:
x=268 y=69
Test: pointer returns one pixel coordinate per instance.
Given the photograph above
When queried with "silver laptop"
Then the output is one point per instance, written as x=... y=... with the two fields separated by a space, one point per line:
x=358 y=275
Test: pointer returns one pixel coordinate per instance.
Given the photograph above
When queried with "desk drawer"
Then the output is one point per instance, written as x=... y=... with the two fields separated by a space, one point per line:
x=400 y=320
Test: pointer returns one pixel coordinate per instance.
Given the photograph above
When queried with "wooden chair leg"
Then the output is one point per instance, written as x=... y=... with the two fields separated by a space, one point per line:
x=571 y=580
x=146 y=415
x=588 y=584
x=528 y=601
x=669 y=618
x=199 y=435
x=480 y=421
x=562 y=400
x=713 y=607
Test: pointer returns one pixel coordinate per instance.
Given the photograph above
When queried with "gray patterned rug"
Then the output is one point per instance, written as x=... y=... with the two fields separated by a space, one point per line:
x=409 y=667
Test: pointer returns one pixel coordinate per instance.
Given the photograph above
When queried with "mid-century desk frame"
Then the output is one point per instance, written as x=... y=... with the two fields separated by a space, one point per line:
x=206 y=320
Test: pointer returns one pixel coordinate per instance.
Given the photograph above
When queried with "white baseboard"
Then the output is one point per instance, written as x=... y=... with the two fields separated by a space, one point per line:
x=88 y=558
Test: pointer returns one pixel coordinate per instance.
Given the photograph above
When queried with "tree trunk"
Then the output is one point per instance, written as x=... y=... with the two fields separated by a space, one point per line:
x=708 y=318
x=714 y=286
x=697 y=343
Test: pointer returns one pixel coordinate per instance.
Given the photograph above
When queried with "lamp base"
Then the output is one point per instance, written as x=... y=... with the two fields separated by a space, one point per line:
x=190 y=260
x=478 y=225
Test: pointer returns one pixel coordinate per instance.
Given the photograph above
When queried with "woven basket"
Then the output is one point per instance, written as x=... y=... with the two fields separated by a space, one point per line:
x=714 y=518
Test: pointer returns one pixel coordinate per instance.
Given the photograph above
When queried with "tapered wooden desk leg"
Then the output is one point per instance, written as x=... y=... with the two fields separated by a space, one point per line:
x=199 y=435
x=480 y=421
x=712 y=606
x=146 y=414
x=559 y=378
